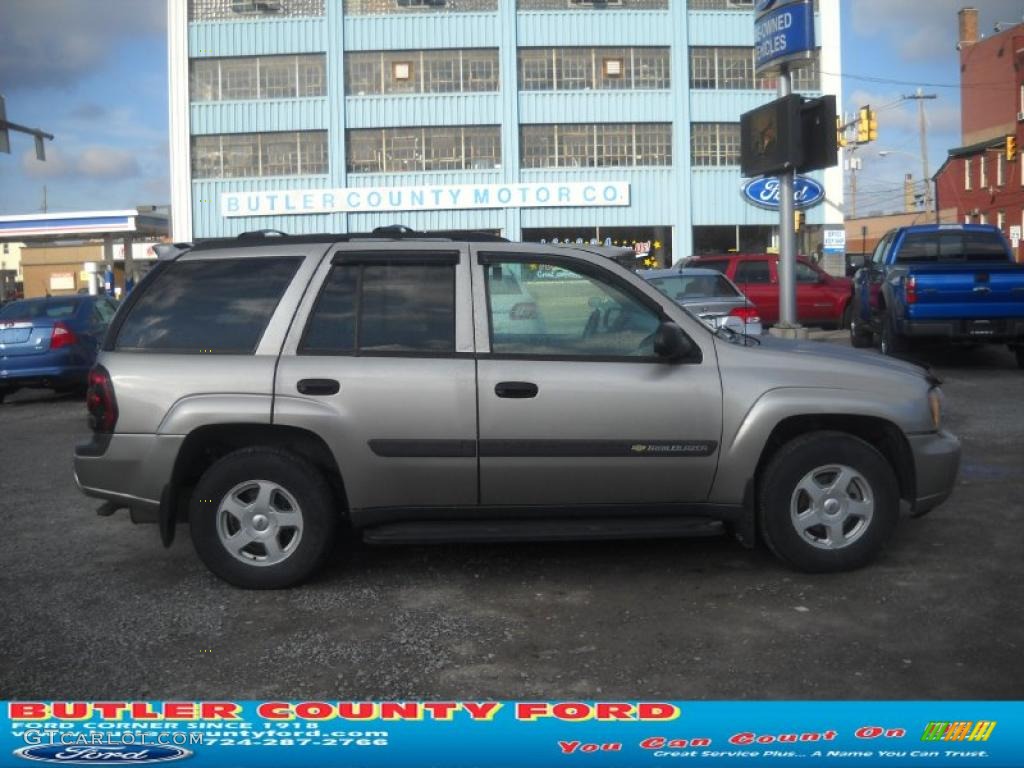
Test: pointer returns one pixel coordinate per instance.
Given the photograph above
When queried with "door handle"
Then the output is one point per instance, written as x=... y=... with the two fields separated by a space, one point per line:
x=318 y=387
x=519 y=390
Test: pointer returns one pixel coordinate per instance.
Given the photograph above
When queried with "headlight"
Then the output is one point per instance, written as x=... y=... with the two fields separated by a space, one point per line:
x=935 y=406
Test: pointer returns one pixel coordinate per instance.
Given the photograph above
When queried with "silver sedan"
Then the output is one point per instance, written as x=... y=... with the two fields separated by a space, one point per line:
x=709 y=295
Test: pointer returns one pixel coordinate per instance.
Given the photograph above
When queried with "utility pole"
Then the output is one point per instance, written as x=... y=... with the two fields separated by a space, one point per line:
x=920 y=97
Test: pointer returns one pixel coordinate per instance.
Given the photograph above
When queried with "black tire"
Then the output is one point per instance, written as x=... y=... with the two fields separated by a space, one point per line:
x=860 y=338
x=298 y=479
x=1018 y=351
x=778 y=491
x=890 y=342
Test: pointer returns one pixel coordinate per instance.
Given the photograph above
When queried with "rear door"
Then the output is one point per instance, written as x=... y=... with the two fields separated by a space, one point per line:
x=379 y=363
x=756 y=279
x=577 y=410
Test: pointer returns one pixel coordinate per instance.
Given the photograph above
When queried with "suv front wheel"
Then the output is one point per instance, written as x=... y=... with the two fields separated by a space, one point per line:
x=262 y=518
x=828 y=502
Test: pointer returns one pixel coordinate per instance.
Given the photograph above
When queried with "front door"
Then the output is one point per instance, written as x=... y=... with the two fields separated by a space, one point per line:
x=574 y=406
x=756 y=278
x=814 y=302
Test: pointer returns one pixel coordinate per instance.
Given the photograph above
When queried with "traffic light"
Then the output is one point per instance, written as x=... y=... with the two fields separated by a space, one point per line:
x=1011 y=148
x=840 y=132
x=864 y=125
x=799 y=217
x=872 y=125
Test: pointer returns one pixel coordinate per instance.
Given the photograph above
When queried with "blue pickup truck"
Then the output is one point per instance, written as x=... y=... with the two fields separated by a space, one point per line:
x=951 y=283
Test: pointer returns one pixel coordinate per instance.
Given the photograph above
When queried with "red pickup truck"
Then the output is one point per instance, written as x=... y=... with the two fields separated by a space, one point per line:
x=820 y=298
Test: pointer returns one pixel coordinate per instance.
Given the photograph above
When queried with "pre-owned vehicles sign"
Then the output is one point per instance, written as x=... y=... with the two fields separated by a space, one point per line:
x=783 y=34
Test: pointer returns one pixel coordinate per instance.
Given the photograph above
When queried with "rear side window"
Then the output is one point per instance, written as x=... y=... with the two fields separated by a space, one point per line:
x=954 y=246
x=220 y=305
x=382 y=308
x=694 y=286
x=753 y=272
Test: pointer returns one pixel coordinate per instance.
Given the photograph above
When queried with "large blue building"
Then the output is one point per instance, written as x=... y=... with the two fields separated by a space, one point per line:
x=615 y=120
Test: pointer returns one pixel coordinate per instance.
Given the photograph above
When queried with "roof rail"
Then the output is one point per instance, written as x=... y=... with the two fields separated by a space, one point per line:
x=393 y=232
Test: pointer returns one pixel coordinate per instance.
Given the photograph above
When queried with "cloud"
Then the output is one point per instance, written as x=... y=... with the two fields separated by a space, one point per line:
x=89 y=111
x=92 y=163
x=55 y=43
x=920 y=31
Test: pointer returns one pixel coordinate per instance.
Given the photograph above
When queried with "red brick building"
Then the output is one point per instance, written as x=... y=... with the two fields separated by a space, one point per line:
x=980 y=182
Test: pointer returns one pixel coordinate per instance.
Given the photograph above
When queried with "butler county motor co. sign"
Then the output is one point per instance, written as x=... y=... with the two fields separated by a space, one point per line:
x=428 y=198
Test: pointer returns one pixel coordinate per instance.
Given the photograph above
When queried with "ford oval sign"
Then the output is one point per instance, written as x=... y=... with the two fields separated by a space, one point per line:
x=764 y=193
x=123 y=755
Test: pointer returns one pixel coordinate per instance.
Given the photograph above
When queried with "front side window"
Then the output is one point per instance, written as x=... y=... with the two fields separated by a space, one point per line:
x=213 y=305
x=384 y=308
x=547 y=309
x=685 y=287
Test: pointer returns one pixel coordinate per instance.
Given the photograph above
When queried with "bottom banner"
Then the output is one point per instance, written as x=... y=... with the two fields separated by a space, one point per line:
x=512 y=733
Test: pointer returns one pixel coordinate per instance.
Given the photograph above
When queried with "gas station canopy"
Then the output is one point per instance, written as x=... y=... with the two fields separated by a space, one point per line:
x=133 y=223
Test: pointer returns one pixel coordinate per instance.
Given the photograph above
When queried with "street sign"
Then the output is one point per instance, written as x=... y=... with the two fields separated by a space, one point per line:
x=783 y=34
x=834 y=241
x=764 y=193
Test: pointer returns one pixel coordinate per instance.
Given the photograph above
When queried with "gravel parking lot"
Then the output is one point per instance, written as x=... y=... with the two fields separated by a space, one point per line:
x=95 y=608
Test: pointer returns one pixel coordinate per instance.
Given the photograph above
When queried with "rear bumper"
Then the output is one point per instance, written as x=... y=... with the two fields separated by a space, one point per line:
x=57 y=367
x=131 y=471
x=936 y=464
x=995 y=330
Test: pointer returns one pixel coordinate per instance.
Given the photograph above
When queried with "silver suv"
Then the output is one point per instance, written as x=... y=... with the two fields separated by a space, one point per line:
x=274 y=390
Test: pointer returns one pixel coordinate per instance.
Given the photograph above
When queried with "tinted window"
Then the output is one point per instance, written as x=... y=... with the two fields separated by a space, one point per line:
x=220 y=305
x=560 y=311
x=384 y=308
x=753 y=272
x=806 y=274
x=682 y=287
x=718 y=266
x=40 y=309
x=951 y=246
x=879 y=255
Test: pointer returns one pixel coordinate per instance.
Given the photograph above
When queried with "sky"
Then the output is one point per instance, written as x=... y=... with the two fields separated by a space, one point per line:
x=94 y=74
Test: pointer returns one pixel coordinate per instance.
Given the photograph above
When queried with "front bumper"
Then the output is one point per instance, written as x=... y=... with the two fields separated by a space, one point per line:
x=936 y=464
x=129 y=470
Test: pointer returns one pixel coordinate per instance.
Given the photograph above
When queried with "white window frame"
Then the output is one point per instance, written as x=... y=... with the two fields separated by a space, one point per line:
x=983 y=172
x=967 y=173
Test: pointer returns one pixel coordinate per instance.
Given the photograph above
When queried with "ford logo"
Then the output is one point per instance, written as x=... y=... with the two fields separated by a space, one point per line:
x=134 y=755
x=764 y=192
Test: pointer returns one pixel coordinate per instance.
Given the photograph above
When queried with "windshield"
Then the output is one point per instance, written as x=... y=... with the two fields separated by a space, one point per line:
x=34 y=309
x=682 y=287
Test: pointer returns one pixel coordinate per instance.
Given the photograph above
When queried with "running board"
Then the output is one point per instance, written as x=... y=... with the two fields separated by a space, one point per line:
x=452 y=531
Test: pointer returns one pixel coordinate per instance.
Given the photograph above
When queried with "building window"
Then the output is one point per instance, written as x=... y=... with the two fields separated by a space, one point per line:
x=241 y=155
x=603 y=145
x=591 y=5
x=982 y=171
x=715 y=144
x=1001 y=220
x=233 y=10
x=389 y=7
x=579 y=69
x=251 y=78
x=967 y=173
x=437 y=71
x=732 y=68
x=408 y=150
x=1000 y=170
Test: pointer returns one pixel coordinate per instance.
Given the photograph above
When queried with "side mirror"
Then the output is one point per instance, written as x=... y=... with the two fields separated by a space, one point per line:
x=671 y=343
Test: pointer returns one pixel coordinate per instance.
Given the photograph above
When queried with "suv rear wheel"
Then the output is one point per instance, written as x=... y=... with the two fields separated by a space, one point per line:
x=828 y=502
x=262 y=518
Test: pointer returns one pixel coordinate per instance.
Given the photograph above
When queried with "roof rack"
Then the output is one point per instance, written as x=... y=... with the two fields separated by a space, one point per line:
x=394 y=232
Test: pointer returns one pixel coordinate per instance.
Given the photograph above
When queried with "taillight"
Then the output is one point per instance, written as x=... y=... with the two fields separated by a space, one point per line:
x=746 y=314
x=910 y=289
x=525 y=310
x=100 y=401
x=62 y=336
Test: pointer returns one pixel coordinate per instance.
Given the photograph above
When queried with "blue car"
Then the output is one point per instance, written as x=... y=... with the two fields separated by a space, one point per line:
x=51 y=342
